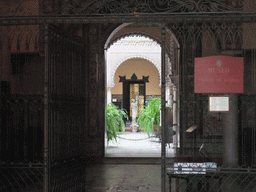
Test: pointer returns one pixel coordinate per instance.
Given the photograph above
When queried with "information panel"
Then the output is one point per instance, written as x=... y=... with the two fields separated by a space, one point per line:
x=219 y=104
x=219 y=74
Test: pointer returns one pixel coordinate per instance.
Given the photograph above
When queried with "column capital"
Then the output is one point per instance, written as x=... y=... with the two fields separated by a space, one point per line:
x=175 y=79
x=168 y=81
x=110 y=87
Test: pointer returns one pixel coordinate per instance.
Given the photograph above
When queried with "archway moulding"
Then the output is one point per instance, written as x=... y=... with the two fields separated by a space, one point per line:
x=150 y=30
x=134 y=29
x=132 y=34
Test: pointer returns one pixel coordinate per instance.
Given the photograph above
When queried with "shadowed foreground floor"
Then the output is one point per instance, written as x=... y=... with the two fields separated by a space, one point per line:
x=110 y=178
x=123 y=177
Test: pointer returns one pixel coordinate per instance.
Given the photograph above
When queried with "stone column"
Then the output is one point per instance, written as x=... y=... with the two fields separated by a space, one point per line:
x=109 y=95
x=176 y=139
x=230 y=133
x=168 y=91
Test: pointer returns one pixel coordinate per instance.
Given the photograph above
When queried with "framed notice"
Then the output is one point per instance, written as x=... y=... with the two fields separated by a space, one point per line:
x=219 y=103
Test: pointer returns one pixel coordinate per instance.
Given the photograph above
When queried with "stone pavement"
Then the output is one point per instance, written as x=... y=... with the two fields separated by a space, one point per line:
x=138 y=144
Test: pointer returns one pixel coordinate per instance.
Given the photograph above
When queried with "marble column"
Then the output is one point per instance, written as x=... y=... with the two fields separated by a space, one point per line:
x=168 y=91
x=109 y=95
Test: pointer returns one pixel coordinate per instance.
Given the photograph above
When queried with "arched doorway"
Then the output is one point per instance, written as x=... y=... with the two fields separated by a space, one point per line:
x=149 y=48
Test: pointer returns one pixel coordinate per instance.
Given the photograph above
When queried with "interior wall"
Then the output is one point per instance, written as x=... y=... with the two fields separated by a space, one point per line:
x=25 y=7
x=141 y=67
x=31 y=81
x=154 y=30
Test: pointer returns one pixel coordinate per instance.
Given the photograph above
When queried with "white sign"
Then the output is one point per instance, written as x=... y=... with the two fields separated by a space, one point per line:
x=219 y=104
x=194 y=168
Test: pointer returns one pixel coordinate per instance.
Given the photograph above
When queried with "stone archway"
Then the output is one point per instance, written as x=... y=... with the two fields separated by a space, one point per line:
x=128 y=30
x=131 y=49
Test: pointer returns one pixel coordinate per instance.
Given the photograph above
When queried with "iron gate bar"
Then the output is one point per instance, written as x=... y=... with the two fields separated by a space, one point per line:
x=163 y=104
x=46 y=147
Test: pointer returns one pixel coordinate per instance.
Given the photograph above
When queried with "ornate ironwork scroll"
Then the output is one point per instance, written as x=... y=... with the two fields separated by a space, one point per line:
x=124 y=7
x=98 y=7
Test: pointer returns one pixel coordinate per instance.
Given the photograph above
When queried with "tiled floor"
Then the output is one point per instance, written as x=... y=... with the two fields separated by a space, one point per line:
x=136 y=144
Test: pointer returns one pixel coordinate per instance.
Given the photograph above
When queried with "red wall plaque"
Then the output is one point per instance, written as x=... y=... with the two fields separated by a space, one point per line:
x=219 y=74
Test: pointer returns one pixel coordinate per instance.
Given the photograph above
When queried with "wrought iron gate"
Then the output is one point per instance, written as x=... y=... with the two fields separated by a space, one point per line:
x=43 y=93
x=205 y=143
x=64 y=100
x=247 y=131
x=22 y=122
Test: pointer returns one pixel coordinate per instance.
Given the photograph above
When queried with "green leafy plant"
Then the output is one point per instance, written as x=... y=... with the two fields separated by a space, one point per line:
x=150 y=116
x=114 y=121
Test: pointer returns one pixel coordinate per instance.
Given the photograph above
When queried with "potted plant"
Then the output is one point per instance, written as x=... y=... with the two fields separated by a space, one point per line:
x=149 y=120
x=114 y=120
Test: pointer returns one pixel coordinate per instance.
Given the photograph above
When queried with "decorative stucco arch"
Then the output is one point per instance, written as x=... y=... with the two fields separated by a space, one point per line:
x=130 y=34
x=129 y=47
x=116 y=36
x=111 y=72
